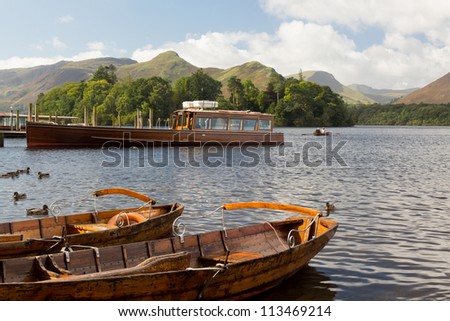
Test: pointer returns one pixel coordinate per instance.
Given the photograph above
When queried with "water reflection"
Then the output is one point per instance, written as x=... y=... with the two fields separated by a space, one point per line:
x=307 y=285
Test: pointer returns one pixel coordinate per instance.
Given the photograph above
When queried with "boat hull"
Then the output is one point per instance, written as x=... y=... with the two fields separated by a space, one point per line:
x=45 y=135
x=38 y=235
x=249 y=275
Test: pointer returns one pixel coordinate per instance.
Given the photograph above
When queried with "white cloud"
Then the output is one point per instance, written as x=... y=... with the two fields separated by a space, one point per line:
x=96 y=45
x=26 y=62
x=58 y=44
x=65 y=19
x=403 y=16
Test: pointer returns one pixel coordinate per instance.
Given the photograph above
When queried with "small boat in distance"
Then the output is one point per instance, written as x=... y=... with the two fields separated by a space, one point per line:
x=321 y=132
x=196 y=124
x=225 y=264
x=51 y=233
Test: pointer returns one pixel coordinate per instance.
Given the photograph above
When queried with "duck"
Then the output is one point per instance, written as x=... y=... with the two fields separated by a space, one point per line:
x=24 y=171
x=38 y=211
x=10 y=174
x=329 y=207
x=41 y=175
x=17 y=196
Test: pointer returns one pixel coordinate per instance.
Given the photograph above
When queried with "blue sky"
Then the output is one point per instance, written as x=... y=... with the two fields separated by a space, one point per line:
x=383 y=43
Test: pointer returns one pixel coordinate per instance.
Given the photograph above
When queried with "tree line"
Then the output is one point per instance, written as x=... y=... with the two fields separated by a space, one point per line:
x=294 y=102
x=400 y=114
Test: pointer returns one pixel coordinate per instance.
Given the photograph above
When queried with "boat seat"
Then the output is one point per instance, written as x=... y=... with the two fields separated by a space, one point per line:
x=10 y=237
x=233 y=257
x=94 y=227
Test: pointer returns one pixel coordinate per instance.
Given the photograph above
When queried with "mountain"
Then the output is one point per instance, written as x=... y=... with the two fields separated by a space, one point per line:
x=166 y=65
x=382 y=96
x=20 y=86
x=437 y=92
x=171 y=66
x=326 y=79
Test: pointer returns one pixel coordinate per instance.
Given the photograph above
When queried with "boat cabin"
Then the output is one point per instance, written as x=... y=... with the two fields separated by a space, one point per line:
x=203 y=115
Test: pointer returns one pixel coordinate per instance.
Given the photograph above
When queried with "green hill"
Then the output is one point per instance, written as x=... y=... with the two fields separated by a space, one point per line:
x=20 y=86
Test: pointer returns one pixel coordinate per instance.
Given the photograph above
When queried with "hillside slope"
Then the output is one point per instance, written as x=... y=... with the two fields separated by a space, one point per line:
x=382 y=96
x=437 y=92
x=19 y=87
x=326 y=79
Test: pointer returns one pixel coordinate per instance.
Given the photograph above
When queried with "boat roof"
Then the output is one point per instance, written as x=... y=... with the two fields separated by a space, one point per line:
x=224 y=111
x=209 y=106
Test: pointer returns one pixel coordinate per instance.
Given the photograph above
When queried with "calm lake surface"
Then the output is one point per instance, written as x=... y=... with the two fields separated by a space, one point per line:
x=391 y=187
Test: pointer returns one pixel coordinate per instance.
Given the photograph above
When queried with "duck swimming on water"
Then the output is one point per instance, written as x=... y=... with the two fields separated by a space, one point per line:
x=24 y=171
x=329 y=207
x=10 y=174
x=38 y=211
x=41 y=175
x=17 y=196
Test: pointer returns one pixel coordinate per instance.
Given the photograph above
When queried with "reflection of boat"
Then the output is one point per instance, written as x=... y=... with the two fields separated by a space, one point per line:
x=224 y=264
x=321 y=132
x=197 y=123
x=98 y=228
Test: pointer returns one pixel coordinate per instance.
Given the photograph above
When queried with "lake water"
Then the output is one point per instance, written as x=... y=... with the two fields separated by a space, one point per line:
x=391 y=187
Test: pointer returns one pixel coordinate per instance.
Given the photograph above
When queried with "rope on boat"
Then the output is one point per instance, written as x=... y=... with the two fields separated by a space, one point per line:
x=219 y=268
x=179 y=228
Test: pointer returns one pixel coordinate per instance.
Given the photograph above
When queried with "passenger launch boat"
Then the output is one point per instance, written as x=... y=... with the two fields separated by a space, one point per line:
x=234 y=263
x=53 y=233
x=198 y=123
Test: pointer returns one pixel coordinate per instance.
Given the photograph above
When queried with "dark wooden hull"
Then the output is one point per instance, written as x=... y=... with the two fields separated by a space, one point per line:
x=37 y=236
x=259 y=258
x=45 y=135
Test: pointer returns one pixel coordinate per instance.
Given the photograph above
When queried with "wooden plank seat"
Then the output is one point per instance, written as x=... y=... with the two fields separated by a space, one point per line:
x=11 y=237
x=91 y=227
x=233 y=257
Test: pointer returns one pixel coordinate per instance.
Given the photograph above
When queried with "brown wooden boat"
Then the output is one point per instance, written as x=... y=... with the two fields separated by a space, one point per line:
x=99 y=228
x=194 y=125
x=225 y=264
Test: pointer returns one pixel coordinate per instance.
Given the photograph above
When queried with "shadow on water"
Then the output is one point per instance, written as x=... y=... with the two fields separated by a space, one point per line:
x=306 y=285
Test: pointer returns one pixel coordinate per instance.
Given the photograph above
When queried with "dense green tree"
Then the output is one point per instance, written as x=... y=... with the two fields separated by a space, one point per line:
x=236 y=90
x=107 y=73
x=201 y=86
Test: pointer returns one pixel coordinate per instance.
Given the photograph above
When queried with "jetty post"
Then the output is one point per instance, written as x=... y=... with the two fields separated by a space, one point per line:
x=30 y=111
x=17 y=120
x=2 y=139
x=150 y=118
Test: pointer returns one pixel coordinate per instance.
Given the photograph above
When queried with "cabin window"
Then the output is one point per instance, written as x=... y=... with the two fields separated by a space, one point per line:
x=264 y=124
x=249 y=124
x=202 y=122
x=180 y=120
x=174 y=121
x=219 y=123
x=234 y=124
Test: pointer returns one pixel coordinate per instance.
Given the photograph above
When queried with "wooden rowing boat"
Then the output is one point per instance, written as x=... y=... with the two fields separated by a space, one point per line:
x=224 y=264
x=98 y=228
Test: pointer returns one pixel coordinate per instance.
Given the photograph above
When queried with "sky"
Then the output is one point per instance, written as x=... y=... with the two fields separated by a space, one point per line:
x=393 y=44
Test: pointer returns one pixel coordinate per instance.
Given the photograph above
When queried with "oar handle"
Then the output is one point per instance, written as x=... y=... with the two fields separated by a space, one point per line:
x=273 y=206
x=124 y=191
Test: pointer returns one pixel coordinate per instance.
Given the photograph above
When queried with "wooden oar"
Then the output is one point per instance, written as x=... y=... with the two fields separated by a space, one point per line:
x=273 y=206
x=123 y=191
